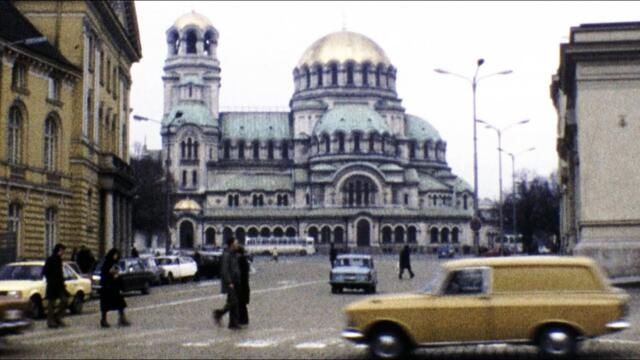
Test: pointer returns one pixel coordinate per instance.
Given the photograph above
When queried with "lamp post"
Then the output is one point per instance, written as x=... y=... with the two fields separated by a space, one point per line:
x=513 y=186
x=474 y=84
x=167 y=188
x=499 y=132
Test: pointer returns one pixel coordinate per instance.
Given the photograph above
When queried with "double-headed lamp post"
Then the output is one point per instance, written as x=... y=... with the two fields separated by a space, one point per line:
x=167 y=183
x=513 y=186
x=474 y=84
x=499 y=132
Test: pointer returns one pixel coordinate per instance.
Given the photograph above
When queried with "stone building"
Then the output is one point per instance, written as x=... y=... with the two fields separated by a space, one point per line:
x=596 y=92
x=64 y=104
x=345 y=165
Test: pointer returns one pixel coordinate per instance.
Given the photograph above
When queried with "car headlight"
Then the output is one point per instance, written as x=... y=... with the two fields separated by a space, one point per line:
x=14 y=294
x=12 y=315
x=95 y=278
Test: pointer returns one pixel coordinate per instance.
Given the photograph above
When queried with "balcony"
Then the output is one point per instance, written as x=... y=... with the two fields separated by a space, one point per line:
x=115 y=174
x=53 y=179
x=17 y=173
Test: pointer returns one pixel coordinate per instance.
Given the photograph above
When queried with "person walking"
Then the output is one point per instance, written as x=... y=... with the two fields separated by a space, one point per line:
x=56 y=293
x=230 y=282
x=134 y=252
x=333 y=254
x=244 y=291
x=274 y=254
x=405 y=261
x=110 y=289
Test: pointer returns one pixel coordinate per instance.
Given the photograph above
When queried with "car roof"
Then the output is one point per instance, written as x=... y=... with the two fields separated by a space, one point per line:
x=520 y=261
x=28 y=263
x=354 y=256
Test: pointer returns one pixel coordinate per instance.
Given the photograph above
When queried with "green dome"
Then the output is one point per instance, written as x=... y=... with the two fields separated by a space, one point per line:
x=420 y=129
x=349 y=118
x=190 y=113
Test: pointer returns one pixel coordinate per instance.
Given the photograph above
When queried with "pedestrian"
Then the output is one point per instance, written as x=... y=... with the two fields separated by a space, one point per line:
x=405 y=261
x=244 y=291
x=230 y=282
x=134 y=252
x=274 y=254
x=333 y=254
x=111 y=289
x=56 y=291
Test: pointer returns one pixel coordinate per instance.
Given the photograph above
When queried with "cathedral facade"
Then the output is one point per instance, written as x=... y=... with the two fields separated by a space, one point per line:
x=346 y=165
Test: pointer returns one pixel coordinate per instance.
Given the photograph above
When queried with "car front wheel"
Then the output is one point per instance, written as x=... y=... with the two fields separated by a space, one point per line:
x=77 y=304
x=388 y=343
x=36 y=309
x=556 y=342
x=145 y=288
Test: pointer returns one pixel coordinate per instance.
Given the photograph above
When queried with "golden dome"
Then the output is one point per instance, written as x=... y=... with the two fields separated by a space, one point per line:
x=187 y=205
x=343 y=46
x=192 y=18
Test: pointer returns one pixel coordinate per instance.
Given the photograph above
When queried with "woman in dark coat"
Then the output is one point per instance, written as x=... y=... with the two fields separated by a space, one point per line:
x=244 y=289
x=110 y=289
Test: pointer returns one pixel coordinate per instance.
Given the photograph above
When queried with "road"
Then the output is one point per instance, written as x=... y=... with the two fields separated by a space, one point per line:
x=292 y=315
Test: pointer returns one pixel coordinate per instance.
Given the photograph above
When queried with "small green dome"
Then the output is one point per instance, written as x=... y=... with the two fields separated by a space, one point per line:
x=190 y=113
x=420 y=129
x=349 y=118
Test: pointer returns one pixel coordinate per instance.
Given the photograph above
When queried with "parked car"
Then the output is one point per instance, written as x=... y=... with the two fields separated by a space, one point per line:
x=549 y=301
x=176 y=267
x=24 y=280
x=353 y=271
x=208 y=264
x=13 y=315
x=132 y=273
x=149 y=263
x=446 y=251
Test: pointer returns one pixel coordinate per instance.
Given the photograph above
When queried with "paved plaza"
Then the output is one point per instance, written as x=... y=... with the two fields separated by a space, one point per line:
x=292 y=315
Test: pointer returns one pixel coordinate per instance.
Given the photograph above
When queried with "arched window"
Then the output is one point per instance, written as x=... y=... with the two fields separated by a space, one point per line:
x=195 y=149
x=313 y=233
x=334 y=74
x=291 y=232
x=226 y=150
x=358 y=191
x=19 y=76
x=444 y=236
x=189 y=148
x=378 y=76
x=399 y=235
x=183 y=148
x=412 y=150
x=464 y=202
x=270 y=150
x=50 y=143
x=230 y=200
x=365 y=75
x=326 y=235
x=285 y=149
x=265 y=232
x=319 y=75
x=236 y=200
x=194 y=177
x=285 y=200
x=253 y=232
x=434 y=235
x=327 y=143
x=350 y=73
x=241 y=149
x=386 y=235
x=356 y=142
x=412 y=235
x=14 y=136
x=338 y=235
x=15 y=220
x=256 y=150
x=340 y=137
x=278 y=232
x=184 y=178
x=426 y=149
x=455 y=234
x=191 y=42
x=307 y=78
x=173 y=39
x=208 y=43
x=50 y=222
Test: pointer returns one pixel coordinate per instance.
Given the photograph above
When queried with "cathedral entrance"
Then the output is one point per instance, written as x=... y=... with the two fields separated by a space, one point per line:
x=363 y=233
x=186 y=235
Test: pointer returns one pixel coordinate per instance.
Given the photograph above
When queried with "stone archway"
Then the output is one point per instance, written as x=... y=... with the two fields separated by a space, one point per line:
x=363 y=234
x=210 y=236
x=186 y=235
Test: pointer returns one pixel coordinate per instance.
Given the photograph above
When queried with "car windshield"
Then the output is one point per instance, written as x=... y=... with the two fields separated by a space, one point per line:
x=358 y=262
x=433 y=286
x=21 y=272
x=163 y=261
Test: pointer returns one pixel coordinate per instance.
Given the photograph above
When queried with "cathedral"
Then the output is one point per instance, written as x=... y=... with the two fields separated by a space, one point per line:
x=345 y=165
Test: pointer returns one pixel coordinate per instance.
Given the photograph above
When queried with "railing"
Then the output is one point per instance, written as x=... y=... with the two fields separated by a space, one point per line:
x=17 y=173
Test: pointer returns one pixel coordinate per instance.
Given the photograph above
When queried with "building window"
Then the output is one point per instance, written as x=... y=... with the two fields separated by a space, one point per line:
x=285 y=200
x=356 y=142
x=240 y=149
x=365 y=75
x=319 y=75
x=270 y=150
x=14 y=220
x=307 y=199
x=426 y=150
x=350 y=74
x=50 y=143
x=49 y=230
x=378 y=75
x=91 y=51
x=101 y=67
x=19 y=76
x=340 y=142
x=285 y=150
x=372 y=142
x=230 y=200
x=327 y=143
x=307 y=77
x=191 y=42
x=208 y=42
x=54 y=89
x=194 y=177
x=464 y=202
x=233 y=200
x=406 y=199
x=184 y=178
x=412 y=150
x=108 y=69
x=226 y=150
x=256 y=150
x=334 y=74
x=14 y=135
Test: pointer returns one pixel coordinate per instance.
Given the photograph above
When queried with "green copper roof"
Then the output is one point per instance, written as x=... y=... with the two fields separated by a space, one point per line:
x=323 y=167
x=191 y=79
x=420 y=129
x=191 y=112
x=428 y=183
x=460 y=185
x=334 y=213
x=348 y=118
x=391 y=167
x=250 y=182
x=255 y=125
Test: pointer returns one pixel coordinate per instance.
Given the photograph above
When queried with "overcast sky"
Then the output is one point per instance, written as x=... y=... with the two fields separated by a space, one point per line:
x=261 y=42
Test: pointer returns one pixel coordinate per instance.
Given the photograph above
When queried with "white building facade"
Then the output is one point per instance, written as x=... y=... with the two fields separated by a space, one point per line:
x=346 y=165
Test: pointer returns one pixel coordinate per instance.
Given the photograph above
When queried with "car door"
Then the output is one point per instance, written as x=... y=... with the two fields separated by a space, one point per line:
x=461 y=312
x=71 y=282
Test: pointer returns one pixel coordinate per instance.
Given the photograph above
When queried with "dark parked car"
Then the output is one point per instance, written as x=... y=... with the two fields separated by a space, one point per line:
x=208 y=264
x=446 y=251
x=133 y=275
x=149 y=263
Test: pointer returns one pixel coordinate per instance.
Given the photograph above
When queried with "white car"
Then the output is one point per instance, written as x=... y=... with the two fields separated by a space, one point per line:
x=176 y=267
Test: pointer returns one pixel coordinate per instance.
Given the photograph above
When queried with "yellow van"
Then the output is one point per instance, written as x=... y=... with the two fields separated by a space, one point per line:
x=550 y=301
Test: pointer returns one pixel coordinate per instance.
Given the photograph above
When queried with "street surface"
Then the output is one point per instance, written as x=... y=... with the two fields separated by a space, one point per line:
x=292 y=315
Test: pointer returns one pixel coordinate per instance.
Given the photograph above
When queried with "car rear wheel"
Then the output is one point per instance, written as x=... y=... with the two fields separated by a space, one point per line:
x=36 y=310
x=556 y=342
x=77 y=304
x=389 y=343
x=335 y=289
x=170 y=278
x=145 y=288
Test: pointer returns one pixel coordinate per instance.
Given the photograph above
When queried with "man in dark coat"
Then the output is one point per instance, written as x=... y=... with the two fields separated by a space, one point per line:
x=405 y=261
x=333 y=254
x=230 y=281
x=56 y=291
x=244 y=290
x=110 y=289
x=85 y=260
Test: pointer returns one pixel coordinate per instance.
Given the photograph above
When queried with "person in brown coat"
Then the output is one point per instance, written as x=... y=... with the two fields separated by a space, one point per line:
x=244 y=290
x=56 y=292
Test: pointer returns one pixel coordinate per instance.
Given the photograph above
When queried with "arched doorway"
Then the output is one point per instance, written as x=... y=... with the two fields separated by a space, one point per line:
x=455 y=235
x=444 y=236
x=399 y=235
x=210 y=236
x=291 y=232
x=265 y=232
x=364 y=233
x=434 y=235
x=226 y=234
x=338 y=235
x=186 y=235
x=253 y=232
x=277 y=232
x=412 y=235
x=240 y=235
x=326 y=235
x=313 y=232
x=386 y=235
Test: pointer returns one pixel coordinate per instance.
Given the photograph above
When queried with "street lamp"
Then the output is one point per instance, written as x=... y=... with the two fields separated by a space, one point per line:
x=474 y=83
x=167 y=183
x=513 y=185
x=499 y=132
